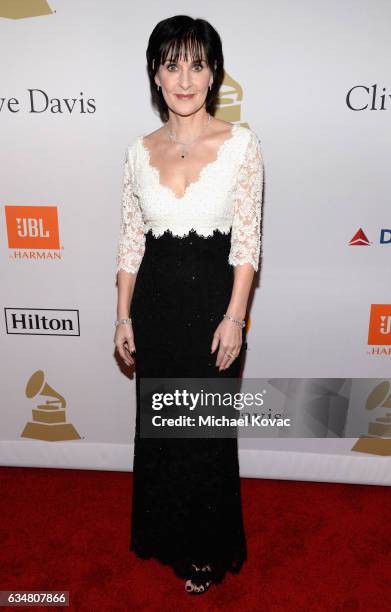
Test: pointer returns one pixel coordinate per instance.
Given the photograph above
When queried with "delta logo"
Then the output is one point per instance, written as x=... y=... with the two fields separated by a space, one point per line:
x=379 y=331
x=33 y=232
x=360 y=238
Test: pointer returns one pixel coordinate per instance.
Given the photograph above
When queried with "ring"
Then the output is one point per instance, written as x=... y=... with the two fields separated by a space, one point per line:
x=231 y=354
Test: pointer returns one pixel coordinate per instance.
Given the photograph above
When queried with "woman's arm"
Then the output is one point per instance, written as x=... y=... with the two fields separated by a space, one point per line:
x=125 y=282
x=245 y=249
x=131 y=248
x=243 y=280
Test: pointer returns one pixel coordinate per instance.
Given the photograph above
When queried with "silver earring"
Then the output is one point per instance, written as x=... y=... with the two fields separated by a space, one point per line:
x=157 y=87
x=210 y=86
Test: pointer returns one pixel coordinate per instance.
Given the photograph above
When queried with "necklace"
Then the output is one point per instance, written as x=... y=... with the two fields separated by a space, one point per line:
x=186 y=146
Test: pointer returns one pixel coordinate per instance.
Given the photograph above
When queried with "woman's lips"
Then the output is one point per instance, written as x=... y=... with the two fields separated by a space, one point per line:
x=184 y=96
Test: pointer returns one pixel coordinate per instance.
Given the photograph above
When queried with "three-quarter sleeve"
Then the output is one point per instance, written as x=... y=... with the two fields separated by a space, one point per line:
x=246 y=222
x=131 y=241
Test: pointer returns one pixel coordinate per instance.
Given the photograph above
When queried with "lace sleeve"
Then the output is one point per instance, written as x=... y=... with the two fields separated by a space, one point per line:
x=246 y=233
x=131 y=242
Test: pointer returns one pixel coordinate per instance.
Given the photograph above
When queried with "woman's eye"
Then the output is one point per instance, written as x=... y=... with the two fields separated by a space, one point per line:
x=198 y=66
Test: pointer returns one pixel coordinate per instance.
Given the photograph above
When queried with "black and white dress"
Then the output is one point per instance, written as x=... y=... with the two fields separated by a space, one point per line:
x=186 y=503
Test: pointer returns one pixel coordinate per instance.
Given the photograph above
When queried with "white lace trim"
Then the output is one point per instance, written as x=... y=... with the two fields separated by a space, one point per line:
x=227 y=195
x=204 y=231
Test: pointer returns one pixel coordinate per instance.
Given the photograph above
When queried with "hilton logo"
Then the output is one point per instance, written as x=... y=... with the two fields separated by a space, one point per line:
x=42 y=321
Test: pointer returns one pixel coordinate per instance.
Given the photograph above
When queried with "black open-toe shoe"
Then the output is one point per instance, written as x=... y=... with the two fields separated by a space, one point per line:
x=199 y=580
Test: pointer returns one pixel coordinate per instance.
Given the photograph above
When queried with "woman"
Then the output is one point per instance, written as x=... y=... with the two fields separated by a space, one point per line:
x=188 y=248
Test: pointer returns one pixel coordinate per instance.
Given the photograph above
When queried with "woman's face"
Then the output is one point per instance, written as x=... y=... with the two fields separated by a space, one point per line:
x=184 y=83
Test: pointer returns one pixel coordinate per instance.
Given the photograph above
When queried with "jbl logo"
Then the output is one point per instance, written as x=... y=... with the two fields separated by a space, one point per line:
x=33 y=227
x=380 y=325
x=29 y=226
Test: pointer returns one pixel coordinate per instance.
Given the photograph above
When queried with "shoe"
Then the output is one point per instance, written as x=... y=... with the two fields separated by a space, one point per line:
x=198 y=582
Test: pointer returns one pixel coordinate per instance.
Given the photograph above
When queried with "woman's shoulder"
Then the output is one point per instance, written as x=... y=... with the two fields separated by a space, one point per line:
x=143 y=138
x=242 y=136
x=248 y=132
x=132 y=147
x=133 y=142
x=248 y=141
x=240 y=129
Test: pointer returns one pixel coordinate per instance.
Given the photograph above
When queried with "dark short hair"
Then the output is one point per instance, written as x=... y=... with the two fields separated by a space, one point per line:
x=167 y=40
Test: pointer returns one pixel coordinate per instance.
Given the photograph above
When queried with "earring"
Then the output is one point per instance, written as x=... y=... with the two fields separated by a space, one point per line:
x=157 y=87
x=210 y=86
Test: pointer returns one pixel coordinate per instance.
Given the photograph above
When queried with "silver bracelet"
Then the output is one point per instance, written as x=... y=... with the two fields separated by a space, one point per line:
x=119 y=321
x=240 y=323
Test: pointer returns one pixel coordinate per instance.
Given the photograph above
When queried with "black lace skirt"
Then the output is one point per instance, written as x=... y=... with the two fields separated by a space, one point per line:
x=186 y=504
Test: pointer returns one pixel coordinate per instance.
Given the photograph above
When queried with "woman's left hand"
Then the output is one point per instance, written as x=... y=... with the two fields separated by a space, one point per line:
x=229 y=335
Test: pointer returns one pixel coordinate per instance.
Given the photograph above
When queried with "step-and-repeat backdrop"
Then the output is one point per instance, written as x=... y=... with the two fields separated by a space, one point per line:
x=313 y=82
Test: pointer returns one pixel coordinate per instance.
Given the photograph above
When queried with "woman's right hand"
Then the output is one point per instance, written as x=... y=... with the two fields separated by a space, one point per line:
x=124 y=342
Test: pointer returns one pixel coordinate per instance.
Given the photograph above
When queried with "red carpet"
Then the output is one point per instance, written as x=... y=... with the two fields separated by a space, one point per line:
x=311 y=546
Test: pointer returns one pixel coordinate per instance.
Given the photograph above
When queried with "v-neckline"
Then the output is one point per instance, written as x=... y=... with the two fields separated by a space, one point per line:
x=156 y=172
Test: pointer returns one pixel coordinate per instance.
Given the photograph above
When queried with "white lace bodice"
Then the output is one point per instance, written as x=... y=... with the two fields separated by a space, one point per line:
x=227 y=195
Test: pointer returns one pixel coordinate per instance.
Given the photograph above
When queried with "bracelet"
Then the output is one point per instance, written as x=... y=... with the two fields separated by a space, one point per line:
x=240 y=323
x=119 y=321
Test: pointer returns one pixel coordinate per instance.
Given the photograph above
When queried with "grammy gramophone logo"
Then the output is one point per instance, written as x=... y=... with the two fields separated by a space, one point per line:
x=378 y=440
x=229 y=99
x=21 y=10
x=48 y=420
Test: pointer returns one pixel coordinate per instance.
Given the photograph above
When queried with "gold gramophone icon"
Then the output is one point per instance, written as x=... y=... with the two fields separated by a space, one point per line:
x=230 y=95
x=49 y=422
x=20 y=10
x=378 y=440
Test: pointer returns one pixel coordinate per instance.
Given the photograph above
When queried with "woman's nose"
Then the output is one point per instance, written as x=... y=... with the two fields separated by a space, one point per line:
x=185 y=79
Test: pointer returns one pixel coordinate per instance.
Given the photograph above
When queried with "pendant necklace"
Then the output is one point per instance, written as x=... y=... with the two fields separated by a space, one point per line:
x=186 y=146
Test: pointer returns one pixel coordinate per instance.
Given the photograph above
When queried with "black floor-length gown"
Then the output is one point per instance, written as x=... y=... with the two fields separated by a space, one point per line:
x=186 y=501
x=186 y=492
